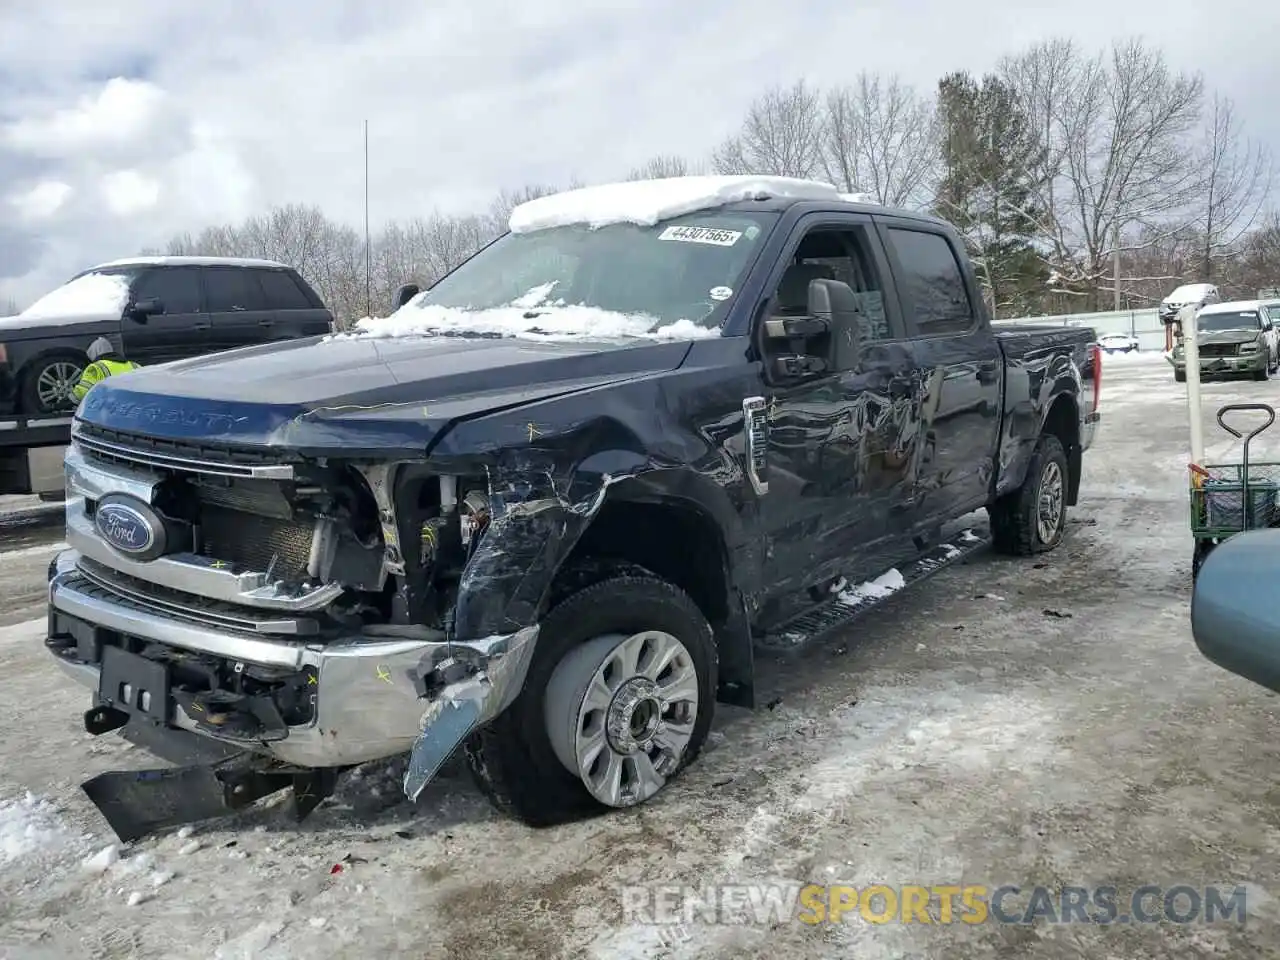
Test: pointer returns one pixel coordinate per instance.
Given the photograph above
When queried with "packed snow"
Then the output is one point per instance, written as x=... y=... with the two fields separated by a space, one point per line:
x=647 y=202
x=532 y=316
x=88 y=297
x=29 y=825
x=891 y=581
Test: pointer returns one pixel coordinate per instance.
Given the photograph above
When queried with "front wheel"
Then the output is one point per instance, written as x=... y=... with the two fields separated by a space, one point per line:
x=1033 y=518
x=619 y=699
x=1180 y=376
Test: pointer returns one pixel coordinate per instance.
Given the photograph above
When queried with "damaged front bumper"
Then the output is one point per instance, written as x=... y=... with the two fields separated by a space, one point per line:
x=330 y=703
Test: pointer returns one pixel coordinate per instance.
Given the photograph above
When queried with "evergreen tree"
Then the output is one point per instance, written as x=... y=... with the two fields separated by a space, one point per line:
x=988 y=155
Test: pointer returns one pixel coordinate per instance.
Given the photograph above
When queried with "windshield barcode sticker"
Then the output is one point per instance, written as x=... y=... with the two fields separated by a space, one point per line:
x=711 y=235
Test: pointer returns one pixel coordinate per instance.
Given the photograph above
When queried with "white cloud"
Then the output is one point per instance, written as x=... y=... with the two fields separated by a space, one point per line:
x=463 y=98
x=121 y=112
x=42 y=200
x=128 y=192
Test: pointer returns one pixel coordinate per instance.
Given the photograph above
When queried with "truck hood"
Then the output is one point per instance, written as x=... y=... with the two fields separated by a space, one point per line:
x=1243 y=335
x=349 y=395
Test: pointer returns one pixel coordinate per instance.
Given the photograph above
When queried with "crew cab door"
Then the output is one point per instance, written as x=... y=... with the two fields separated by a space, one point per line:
x=173 y=324
x=238 y=307
x=958 y=362
x=294 y=313
x=838 y=440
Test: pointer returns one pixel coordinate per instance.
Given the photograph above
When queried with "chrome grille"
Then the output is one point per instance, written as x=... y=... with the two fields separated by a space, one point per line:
x=122 y=589
x=115 y=446
x=1219 y=349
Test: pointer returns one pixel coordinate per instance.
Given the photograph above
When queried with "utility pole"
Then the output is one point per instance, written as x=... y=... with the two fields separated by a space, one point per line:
x=1115 y=266
x=368 y=250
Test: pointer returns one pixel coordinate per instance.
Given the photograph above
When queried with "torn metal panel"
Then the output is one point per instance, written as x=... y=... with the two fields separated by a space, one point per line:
x=464 y=691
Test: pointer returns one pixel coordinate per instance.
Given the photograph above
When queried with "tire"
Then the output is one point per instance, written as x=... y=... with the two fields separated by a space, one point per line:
x=1015 y=526
x=1180 y=377
x=44 y=376
x=1262 y=374
x=513 y=759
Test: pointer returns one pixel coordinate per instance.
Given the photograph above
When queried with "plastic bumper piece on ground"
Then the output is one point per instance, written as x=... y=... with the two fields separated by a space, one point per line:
x=368 y=691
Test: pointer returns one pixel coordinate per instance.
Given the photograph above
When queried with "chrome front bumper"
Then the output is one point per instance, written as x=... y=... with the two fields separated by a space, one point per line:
x=367 y=700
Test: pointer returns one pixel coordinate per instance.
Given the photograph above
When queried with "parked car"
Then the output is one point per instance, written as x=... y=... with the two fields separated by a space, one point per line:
x=1118 y=343
x=1188 y=295
x=544 y=510
x=156 y=309
x=1238 y=337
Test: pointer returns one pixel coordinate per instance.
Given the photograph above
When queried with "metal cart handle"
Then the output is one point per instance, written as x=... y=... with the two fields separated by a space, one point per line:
x=1230 y=407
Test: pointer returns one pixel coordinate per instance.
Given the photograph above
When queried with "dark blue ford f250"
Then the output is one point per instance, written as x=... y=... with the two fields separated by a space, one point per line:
x=547 y=509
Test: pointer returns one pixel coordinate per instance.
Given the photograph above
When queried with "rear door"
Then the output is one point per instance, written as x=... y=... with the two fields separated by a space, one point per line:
x=295 y=314
x=958 y=362
x=238 y=308
x=180 y=330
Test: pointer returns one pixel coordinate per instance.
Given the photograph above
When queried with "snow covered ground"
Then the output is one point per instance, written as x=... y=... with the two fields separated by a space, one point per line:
x=1027 y=722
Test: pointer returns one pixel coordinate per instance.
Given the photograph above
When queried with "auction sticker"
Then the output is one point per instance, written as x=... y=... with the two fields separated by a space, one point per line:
x=720 y=293
x=712 y=235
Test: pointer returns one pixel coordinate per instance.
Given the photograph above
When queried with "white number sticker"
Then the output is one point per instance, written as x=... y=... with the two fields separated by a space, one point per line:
x=711 y=235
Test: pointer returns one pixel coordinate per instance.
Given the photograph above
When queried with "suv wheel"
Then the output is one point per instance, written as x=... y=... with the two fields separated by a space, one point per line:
x=47 y=385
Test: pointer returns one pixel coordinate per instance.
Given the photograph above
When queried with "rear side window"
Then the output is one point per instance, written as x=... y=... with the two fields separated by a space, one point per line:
x=932 y=282
x=233 y=289
x=177 y=288
x=283 y=292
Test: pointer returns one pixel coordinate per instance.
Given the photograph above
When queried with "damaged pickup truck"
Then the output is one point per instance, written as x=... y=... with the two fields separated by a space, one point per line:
x=544 y=511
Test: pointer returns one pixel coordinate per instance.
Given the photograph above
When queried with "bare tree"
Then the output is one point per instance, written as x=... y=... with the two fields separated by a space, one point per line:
x=1114 y=128
x=781 y=135
x=9 y=307
x=878 y=137
x=660 y=167
x=1236 y=183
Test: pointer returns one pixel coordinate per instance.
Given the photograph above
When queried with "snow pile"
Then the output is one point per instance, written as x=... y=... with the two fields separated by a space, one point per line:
x=529 y=317
x=891 y=581
x=93 y=295
x=646 y=202
x=29 y=825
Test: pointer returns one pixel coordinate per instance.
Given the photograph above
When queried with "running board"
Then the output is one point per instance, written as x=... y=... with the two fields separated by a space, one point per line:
x=819 y=622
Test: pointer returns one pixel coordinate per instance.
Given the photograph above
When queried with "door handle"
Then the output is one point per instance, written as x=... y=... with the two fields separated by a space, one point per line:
x=200 y=326
x=265 y=323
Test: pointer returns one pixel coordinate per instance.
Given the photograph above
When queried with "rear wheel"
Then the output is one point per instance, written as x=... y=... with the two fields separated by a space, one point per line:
x=48 y=384
x=1033 y=518
x=619 y=699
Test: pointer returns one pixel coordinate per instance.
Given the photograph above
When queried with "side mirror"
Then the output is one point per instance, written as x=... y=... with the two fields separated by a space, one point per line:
x=1234 y=616
x=406 y=293
x=835 y=303
x=148 y=306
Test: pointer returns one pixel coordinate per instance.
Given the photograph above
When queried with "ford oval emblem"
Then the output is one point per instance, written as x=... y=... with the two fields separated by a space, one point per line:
x=130 y=526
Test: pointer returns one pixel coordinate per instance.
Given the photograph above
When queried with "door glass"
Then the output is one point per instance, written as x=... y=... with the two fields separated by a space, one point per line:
x=177 y=288
x=932 y=282
x=232 y=289
x=281 y=290
x=836 y=255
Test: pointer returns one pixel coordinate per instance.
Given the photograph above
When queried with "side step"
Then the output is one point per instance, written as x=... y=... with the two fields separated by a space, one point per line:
x=849 y=603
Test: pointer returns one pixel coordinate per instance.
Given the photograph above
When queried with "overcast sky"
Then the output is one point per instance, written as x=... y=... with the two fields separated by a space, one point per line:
x=122 y=123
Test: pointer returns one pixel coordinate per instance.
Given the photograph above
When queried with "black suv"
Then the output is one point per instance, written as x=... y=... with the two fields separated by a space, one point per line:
x=154 y=309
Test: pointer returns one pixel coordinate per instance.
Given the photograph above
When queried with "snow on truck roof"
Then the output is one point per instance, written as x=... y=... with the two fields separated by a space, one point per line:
x=1237 y=306
x=647 y=202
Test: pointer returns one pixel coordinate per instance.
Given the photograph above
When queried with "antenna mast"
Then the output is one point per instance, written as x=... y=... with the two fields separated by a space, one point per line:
x=368 y=250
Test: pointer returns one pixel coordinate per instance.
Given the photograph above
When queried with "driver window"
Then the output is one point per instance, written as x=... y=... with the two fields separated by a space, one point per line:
x=835 y=254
